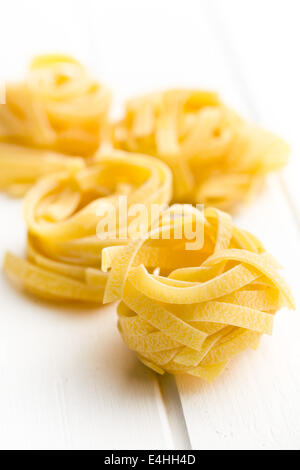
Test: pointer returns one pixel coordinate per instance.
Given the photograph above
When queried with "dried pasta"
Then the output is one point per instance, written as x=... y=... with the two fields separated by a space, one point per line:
x=63 y=212
x=217 y=158
x=191 y=312
x=60 y=108
x=21 y=167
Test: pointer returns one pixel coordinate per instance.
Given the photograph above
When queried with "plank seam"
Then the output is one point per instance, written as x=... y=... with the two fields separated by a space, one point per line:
x=174 y=411
x=172 y=416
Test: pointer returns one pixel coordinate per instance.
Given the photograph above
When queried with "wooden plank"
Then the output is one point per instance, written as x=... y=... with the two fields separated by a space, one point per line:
x=255 y=403
x=266 y=40
x=67 y=381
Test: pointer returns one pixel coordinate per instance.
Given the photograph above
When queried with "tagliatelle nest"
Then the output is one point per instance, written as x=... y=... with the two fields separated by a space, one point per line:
x=57 y=111
x=205 y=305
x=64 y=212
x=217 y=158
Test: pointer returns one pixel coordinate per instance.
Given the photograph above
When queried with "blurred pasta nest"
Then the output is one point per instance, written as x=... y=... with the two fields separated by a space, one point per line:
x=62 y=213
x=58 y=110
x=217 y=158
x=203 y=305
x=58 y=118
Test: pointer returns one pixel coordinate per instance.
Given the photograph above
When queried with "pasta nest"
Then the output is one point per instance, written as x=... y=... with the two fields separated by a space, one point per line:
x=205 y=304
x=58 y=110
x=217 y=158
x=63 y=213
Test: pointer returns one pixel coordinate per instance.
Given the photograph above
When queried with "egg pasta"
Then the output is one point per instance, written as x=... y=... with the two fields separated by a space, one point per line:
x=196 y=310
x=60 y=108
x=217 y=158
x=63 y=212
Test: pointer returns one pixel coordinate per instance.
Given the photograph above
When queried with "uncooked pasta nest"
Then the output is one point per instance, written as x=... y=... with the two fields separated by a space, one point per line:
x=189 y=307
x=217 y=158
x=194 y=290
x=59 y=110
x=21 y=167
x=63 y=213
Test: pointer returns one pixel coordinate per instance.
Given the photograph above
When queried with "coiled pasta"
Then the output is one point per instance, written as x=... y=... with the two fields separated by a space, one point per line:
x=63 y=213
x=216 y=157
x=21 y=167
x=205 y=304
x=59 y=107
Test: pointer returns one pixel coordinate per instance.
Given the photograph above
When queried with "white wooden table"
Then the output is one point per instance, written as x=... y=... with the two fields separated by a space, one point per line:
x=67 y=380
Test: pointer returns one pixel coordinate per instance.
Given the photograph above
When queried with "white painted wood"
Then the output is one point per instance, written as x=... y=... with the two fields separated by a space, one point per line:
x=67 y=379
x=266 y=40
x=172 y=402
x=254 y=405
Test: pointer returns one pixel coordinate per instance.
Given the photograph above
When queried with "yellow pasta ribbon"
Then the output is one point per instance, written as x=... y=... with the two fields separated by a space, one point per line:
x=21 y=167
x=60 y=108
x=217 y=158
x=65 y=214
x=203 y=306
